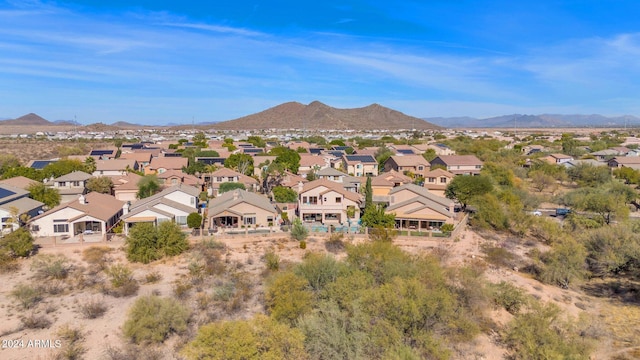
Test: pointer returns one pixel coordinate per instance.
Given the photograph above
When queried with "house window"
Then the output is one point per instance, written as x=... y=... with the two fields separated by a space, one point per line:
x=174 y=181
x=359 y=166
x=443 y=180
x=432 y=180
x=219 y=179
x=338 y=200
x=304 y=199
x=60 y=228
x=181 y=220
x=478 y=166
x=75 y=183
x=193 y=201
x=420 y=168
x=62 y=183
x=249 y=220
x=313 y=200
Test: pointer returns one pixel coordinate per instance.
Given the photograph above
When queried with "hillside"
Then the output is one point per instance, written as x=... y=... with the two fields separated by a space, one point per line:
x=30 y=119
x=316 y=115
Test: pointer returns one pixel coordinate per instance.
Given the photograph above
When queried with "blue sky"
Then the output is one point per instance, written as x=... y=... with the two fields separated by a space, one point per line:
x=159 y=62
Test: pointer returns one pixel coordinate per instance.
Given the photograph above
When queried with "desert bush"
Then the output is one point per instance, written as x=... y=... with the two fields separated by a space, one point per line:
x=335 y=243
x=298 y=230
x=181 y=289
x=18 y=243
x=47 y=266
x=206 y=259
x=153 y=277
x=303 y=244
x=8 y=263
x=97 y=256
x=147 y=243
x=73 y=348
x=499 y=256
x=132 y=351
x=287 y=297
x=272 y=260
x=508 y=296
x=319 y=270
x=541 y=333
x=27 y=296
x=121 y=280
x=564 y=264
x=34 y=321
x=258 y=338
x=153 y=319
x=93 y=308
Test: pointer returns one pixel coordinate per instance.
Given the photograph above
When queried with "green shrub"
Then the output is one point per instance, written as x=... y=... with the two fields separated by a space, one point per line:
x=287 y=297
x=47 y=266
x=298 y=230
x=121 y=280
x=273 y=260
x=27 y=296
x=541 y=333
x=153 y=319
x=303 y=244
x=147 y=243
x=508 y=296
x=19 y=243
x=258 y=338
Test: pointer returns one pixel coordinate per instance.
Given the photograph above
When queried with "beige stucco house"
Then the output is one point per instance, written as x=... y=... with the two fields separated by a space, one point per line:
x=417 y=208
x=241 y=208
x=328 y=202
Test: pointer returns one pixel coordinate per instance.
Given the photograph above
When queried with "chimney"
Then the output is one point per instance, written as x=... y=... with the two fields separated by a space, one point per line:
x=125 y=208
x=236 y=194
x=82 y=200
x=300 y=185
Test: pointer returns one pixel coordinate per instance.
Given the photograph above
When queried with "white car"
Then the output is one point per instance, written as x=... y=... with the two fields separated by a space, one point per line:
x=536 y=213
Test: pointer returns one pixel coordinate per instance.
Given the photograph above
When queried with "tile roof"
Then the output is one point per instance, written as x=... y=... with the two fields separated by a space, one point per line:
x=333 y=186
x=19 y=182
x=237 y=196
x=461 y=160
x=97 y=205
x=74 y=176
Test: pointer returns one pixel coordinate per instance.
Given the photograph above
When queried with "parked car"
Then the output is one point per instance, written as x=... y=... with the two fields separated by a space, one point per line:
x=536 y=213
x=562 y=212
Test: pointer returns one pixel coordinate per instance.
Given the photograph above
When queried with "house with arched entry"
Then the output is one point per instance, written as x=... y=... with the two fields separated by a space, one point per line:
x=239 y=208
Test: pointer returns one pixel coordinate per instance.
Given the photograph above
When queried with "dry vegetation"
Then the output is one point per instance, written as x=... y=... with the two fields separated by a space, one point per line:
x=75 y=294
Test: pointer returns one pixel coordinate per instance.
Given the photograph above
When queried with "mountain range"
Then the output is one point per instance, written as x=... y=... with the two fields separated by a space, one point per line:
x=536 y=121
x=318 y=116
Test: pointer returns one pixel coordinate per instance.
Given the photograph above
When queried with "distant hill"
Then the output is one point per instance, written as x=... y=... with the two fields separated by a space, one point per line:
x=537 y=121
x=124 y=124
x=318 y=116
x=30 y=119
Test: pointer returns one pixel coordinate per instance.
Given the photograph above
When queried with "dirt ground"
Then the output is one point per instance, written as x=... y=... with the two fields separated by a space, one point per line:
x=246 y=252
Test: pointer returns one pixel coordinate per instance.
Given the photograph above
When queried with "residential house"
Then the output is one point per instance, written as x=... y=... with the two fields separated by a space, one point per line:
x=93 y=213
x=440 y=149
x=143 y=158
x=436 y=181
x=632 y=162
x=350 y=183
x=215 y=179
x=417 y=208
x=311 y=163
x=103 y=154
x=175 y=177
x=125 y=187
x=382 y=184
x=532 y=149
x=414 y=164
x=19 y=182
x=115 y=167
x=459 y=164
x=557 y=159
x=328 y=202
x=15 y=207
x=241 y=208
x=158 y=165
x=70 y=186
x=360 y=165
x=172 y=204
